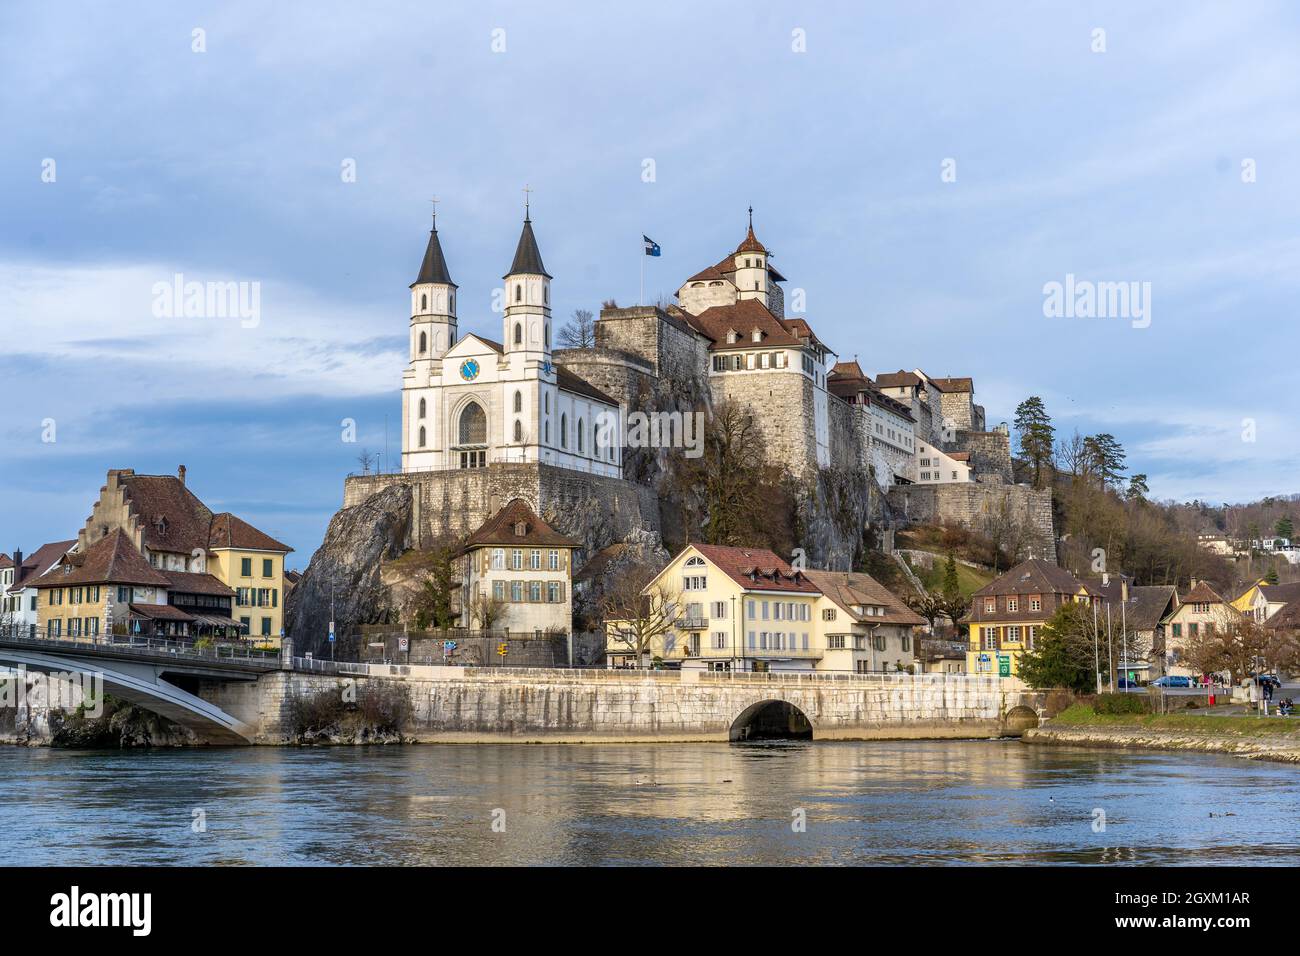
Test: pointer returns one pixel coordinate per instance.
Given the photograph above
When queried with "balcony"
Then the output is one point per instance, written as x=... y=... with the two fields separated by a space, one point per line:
x=692 y=623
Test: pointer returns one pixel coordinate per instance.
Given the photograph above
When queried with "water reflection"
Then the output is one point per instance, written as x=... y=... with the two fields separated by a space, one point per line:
x=942 y=802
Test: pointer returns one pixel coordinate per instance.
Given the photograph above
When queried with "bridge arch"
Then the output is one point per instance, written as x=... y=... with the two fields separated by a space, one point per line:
x=771 y=719
x=1018 y=719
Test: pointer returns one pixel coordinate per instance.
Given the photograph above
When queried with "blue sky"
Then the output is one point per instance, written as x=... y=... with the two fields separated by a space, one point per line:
x=1122 y=165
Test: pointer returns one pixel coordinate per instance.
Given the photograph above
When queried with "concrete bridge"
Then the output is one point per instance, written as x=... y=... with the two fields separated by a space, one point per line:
x=164 y=677
x=250 y=699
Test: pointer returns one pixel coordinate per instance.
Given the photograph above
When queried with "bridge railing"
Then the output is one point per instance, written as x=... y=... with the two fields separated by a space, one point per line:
x=139 y=644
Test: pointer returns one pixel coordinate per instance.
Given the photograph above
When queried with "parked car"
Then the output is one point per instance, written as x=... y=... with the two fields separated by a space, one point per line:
x=1171 y=681
x=1125 y=684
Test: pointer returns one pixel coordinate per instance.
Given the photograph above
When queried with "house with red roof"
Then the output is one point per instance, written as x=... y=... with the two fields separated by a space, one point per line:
x=746 y=609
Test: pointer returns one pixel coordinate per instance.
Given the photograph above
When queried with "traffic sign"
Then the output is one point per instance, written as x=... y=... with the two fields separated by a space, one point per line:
x=402 y=643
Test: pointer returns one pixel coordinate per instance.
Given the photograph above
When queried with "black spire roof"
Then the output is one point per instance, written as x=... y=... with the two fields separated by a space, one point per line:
x=528 y=260
x=434 y=266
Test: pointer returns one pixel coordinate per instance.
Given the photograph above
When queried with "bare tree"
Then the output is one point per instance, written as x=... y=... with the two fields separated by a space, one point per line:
x=366 y=459
x=1241 y=647
x=637 y=612
x=580 y=333
x=486 y=610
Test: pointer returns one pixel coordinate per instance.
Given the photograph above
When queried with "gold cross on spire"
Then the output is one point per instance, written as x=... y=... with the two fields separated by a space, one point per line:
x=434 y=200
x=527 y=190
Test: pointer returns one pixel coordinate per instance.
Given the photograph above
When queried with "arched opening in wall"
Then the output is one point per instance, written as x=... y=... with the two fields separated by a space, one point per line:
x=771 y=720
x=1018 y=720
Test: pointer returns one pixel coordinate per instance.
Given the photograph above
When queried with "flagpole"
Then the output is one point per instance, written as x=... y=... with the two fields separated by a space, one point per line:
x=641 y=297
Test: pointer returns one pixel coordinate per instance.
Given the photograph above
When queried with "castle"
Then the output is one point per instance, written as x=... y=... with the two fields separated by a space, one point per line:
x=470 y=402
x=485 y=421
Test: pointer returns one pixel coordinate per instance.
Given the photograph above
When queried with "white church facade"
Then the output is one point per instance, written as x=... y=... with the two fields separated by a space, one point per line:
x=468 y=402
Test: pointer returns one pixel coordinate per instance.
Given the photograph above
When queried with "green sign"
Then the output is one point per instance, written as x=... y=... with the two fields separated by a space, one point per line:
x=1004 y=665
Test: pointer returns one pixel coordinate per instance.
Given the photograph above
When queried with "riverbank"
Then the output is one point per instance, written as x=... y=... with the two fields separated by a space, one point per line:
x=1255 y=738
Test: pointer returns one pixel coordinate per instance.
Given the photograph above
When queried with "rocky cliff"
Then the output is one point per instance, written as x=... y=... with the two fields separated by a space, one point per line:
x=347 y=567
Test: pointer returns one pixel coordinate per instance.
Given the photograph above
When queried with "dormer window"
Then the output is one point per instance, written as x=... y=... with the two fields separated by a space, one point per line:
x=758 y=335
x=732 y=336
x=521 y=529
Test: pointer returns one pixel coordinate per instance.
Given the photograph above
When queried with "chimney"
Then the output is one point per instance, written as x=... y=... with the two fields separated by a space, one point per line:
x=180 y=473
x=18 y=564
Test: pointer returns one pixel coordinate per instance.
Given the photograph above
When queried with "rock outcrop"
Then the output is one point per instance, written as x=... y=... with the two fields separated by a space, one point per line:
x=347 y=568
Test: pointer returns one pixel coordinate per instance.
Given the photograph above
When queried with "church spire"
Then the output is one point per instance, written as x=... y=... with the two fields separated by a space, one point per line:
x=434 y=266
x=528 y=258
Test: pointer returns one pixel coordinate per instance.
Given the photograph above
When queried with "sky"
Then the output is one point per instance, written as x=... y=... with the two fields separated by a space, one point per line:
x=922 y=171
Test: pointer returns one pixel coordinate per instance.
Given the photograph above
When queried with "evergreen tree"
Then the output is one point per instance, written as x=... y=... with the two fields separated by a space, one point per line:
x=1137 y=487
x=1284 y=527
x=1105 y=458
x=1036 y=435
x=1063 y=654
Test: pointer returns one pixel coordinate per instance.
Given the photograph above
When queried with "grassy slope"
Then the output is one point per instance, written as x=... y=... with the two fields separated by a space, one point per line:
x=1081 y=715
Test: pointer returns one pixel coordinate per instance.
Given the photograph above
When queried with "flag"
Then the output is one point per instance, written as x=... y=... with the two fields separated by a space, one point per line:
x=651 y=247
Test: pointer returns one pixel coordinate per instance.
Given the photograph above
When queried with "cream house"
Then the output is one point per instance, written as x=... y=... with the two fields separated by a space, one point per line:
x=866 y=629
x=1201 y=612
x=745 y=609
x=518 y=574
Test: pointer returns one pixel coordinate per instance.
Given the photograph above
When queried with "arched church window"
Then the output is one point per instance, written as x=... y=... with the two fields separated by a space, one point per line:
x=421 y=436
x=424 y=302
x=519 y=430
x=519 y=402
x=579 y=430
x=519 y=333
x=424 y=343
x=546 y=402
x=546 y=334
x=546 y=431
x=423 y=408
x=564 y=431
x=546 y=295
x=519 y=291
x=473 y=425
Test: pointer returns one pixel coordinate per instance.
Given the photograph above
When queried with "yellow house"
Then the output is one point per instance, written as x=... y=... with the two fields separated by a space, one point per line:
x=252 y=564
x=174 y=531
x=1006 y=614
x=744 y=609
x=1262 y=600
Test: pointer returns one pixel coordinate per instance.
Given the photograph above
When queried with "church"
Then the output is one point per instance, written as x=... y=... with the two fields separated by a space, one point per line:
x=468 y=402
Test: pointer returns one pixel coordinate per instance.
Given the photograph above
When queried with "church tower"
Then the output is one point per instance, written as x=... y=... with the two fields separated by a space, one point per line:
x=528 y=300
x=751 y=267
x=433 y=304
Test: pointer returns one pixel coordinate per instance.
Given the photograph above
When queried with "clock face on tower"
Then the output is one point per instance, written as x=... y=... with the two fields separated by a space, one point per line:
x=469 y=370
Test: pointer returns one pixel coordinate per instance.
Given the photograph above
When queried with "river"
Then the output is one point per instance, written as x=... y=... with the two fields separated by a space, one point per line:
x=935 y=802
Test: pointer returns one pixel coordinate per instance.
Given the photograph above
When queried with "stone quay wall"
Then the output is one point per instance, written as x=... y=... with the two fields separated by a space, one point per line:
x=509 y=705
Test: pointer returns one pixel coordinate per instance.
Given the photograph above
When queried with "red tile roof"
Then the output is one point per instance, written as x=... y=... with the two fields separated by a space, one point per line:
x=1202 y=593
x=160 y=612
x=750 y=243
x=897 y=379
x=503 y=529
x=756 y=569
x=230 y=531
x=189 y=582
x=112 y=559
x=851 y=589
x=743 y=318
x=38 y=562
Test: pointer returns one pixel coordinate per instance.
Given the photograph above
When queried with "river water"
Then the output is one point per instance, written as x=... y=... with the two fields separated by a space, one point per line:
x=935 y=802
